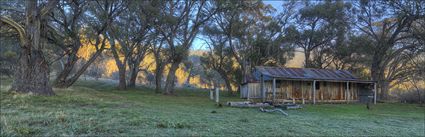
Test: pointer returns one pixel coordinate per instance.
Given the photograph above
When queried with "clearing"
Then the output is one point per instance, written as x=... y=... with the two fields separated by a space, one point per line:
x=96 y=108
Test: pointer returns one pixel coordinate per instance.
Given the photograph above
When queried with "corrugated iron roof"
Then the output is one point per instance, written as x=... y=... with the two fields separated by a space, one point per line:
x=307 y=73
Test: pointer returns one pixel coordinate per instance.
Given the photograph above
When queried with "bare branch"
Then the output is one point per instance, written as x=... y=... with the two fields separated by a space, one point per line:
x=18 y=27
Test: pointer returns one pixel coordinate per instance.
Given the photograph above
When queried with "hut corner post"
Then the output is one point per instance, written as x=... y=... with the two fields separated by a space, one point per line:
x=274 y=89
x=347 y=92
x=374 y=92
x=314 y=91
x=240 y=95
x=263 y=93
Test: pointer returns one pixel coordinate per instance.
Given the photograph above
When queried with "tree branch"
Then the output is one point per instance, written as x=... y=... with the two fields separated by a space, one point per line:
x=18 y=27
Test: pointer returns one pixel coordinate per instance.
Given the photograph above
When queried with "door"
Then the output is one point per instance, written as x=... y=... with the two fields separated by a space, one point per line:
x=296 y=89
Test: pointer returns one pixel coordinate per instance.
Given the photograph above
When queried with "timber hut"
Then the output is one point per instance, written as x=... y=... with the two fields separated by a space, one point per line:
x=280 y=85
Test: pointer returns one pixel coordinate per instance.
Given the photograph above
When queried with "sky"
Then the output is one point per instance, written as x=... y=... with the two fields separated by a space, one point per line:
x=199 y=44
x=277 y=4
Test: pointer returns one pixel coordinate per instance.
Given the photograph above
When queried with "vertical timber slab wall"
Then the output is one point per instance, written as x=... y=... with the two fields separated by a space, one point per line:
x=244 y=91
x=291 y=89
x=356 y=91
x=269 y=87
x=288 y=89
x=306 y=86
x=255 y=90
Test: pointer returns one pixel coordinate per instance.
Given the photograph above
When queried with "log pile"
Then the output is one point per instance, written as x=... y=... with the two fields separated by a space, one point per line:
x=247 y=104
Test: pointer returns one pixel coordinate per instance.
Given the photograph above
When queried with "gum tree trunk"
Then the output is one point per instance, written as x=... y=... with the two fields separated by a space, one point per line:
x=169 y=84
x=122 y=83
x=60 y=81
x=377 y=73
x=120 y=64
x=66 y=82
x=385 y=89
x=32 y=72
x=159 y=67
x=134 y=64
x=134 y=70
x=307 y=61
x=226 y=81
x=158 y=76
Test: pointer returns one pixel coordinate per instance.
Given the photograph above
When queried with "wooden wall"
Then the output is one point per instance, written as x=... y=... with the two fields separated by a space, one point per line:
x=254 y=90
x=299 y=90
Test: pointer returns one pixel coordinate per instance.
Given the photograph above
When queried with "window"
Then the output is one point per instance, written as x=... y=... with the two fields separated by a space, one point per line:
x=278 y=83
x=317 y=85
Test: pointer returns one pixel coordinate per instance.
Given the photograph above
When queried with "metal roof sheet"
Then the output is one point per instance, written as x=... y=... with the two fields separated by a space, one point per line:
x=307 y=73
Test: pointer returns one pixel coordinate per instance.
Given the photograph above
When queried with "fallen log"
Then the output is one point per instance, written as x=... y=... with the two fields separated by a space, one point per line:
x=290 y=106
x=247 y=104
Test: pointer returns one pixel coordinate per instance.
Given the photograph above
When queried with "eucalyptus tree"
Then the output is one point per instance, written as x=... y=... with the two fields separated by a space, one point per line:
x=418 y=75
x=268 y=47
x=179 y=23
x=161 y=58
x=65 y=27
x=73 y=20
x=152 y=10
x=147 y=35
x=349 y=54
x=32 y=71
x=220 y=57
x=242 y=36
x=247 y=34
x=227 y=23
x=389 y=25
x=264 y=43
x=9 y=43
x=418 y=30
x=243 y=24
x=316 y=25
x=133 y=32
x=189 y=67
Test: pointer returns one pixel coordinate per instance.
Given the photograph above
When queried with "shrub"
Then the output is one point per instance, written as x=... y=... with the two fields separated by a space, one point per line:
x=162 y=125
x=411 y=96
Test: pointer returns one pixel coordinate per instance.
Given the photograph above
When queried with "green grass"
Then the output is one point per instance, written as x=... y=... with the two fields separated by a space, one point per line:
x=94 y=108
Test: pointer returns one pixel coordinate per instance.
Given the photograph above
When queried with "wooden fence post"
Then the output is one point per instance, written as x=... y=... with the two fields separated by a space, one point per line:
x=217 y=94
x=212 y=94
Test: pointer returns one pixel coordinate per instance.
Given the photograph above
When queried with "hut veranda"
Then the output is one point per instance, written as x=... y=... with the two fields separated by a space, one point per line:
x=281 y=85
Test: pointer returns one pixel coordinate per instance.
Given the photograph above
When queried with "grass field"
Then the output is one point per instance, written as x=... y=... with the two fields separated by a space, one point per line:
x=95 y=108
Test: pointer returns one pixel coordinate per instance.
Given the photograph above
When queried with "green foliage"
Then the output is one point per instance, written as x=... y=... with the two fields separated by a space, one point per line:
x=319 y=29
x=10 y=54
